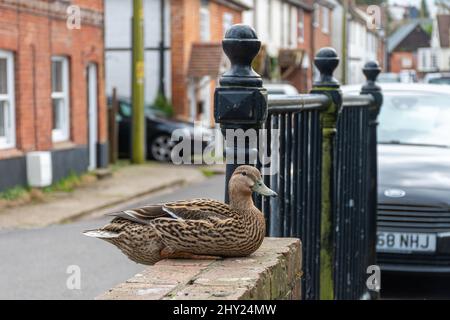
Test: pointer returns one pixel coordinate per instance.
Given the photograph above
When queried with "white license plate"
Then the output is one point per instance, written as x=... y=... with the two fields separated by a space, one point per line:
x=406 y=242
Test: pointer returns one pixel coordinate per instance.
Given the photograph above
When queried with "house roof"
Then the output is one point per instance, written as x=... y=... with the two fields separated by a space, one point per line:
x=443 y=21
x=402 y=32
x=206 y=60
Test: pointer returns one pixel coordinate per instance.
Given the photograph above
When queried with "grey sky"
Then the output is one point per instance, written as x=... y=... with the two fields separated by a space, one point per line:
x=416 y=3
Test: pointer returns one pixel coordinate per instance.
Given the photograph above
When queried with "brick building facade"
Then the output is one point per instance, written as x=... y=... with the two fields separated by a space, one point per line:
x=198 y=24
x=403 y=43
x=50 y=67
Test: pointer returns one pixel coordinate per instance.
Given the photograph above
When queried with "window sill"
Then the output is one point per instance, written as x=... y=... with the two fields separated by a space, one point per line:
x=63 y=145
x=10 y=153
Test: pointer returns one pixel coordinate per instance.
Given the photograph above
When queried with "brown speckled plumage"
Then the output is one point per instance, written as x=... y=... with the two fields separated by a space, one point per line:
x=200 y=227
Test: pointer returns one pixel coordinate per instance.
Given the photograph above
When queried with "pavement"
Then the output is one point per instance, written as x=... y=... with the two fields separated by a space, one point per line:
x=127 y=183
x=35 y=262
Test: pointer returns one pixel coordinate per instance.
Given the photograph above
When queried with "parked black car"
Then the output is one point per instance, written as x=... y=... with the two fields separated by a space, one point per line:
x=414 y=178
x=159 y=130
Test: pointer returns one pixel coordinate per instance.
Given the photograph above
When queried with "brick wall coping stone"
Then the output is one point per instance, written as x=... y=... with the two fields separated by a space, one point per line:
x=271 y=273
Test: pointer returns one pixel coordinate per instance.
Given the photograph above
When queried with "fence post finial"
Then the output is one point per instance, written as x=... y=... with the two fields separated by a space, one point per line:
x=326 y=61
x=240 y=103
x=241 y=45
x=371 y=70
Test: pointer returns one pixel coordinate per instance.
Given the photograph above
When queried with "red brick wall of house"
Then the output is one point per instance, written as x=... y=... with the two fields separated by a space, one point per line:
x=185 y=16
x=35 y=38
x=381 y=55
x=217 y=12
x=306 y=45
x=185 y=28
x=396 y=61
x=322 y=39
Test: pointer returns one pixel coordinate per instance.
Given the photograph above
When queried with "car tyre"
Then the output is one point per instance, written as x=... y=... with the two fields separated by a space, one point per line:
x=161 y=148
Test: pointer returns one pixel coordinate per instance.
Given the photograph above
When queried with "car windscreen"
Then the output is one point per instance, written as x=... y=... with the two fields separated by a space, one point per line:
x=417 y=118
x=125 y=110
x=440 y=81
x=388 y=78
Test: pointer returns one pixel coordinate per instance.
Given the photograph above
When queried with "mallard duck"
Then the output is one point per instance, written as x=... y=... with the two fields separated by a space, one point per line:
x=192 y=229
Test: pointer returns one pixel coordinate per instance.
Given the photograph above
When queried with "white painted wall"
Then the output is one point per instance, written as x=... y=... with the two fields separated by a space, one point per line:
x=363 y=47
x=118 y=15
x=275 y=22
x=425 y=55
x=336 y=35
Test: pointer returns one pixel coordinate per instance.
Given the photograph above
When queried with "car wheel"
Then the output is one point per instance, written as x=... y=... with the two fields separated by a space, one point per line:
x=161 y=148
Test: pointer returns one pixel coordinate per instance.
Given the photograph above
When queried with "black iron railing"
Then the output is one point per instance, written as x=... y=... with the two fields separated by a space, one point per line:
x=319 y=154
x=295 y=164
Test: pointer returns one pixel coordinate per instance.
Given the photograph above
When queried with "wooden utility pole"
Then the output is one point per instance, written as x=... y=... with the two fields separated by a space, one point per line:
x=138 y=121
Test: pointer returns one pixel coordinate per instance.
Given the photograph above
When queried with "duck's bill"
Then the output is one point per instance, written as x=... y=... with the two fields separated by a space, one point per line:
x=262 y=189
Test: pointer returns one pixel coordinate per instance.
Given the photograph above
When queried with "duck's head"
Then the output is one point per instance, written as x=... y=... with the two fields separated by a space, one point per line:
x=246 y=180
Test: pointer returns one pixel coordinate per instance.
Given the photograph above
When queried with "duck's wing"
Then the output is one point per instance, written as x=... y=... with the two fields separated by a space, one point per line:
x=141 y=215
x=198 y=209
x=197 y=236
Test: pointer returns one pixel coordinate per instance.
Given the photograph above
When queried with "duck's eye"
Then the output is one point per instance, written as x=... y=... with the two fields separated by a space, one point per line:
x=244 y=173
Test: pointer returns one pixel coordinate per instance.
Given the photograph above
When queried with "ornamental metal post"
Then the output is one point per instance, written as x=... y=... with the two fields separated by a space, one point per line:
x=240 y=103
x=371 y=70
x=326 y=62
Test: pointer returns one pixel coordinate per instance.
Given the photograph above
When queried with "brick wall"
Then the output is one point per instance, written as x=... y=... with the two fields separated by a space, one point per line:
x=217 y=12
x=306 y=45
x=271 y=273
x=322 y=39
x=34 y=35
x=185 y=30
x=396 y=59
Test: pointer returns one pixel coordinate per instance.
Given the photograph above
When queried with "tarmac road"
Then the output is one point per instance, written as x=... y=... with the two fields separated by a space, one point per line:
x=34 y=263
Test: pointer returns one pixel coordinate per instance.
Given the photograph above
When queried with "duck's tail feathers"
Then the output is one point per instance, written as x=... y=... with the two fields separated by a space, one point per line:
x=101 y=234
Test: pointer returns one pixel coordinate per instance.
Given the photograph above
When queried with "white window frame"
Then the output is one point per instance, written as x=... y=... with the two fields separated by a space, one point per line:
x=293 y=18
x=301 y=26
x=9 y=140
x=227 y=21
x=59 y=135
x=205 y=20
x=434 y=60
x=325 y=20
x=316 y=16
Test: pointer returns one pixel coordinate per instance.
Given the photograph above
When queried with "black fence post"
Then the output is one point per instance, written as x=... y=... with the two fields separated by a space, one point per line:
x=326 y=62
x=240 y=103
x=371 y=71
